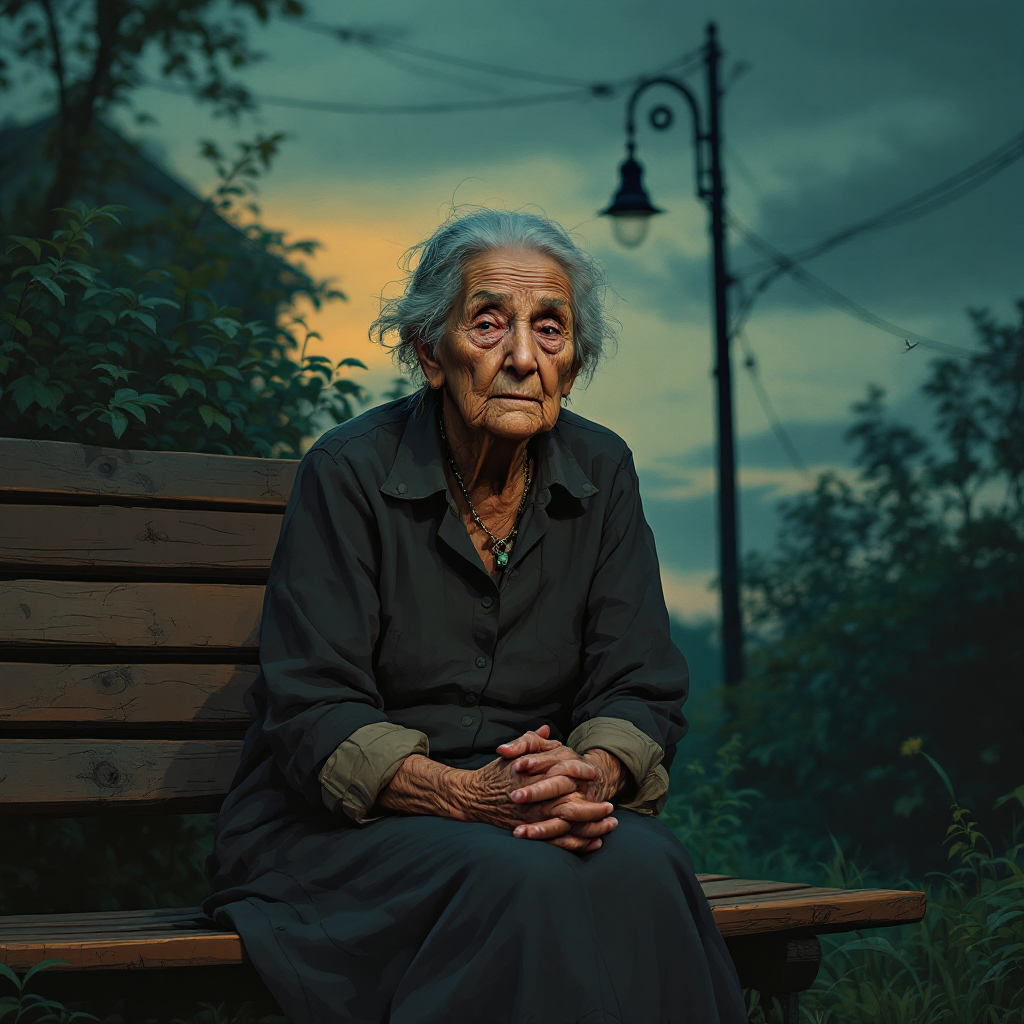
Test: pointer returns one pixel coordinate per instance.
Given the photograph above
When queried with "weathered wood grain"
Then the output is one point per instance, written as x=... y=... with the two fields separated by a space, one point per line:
x=200 y=949
x=721 y=888
x=169 y=938
x=108 y=537
x=33 y=693
x=84 y=471
x=52 y=775
x=817 y=911
x=38 y=612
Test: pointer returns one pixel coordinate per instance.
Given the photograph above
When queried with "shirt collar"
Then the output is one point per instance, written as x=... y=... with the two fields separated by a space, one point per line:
x=418 y=469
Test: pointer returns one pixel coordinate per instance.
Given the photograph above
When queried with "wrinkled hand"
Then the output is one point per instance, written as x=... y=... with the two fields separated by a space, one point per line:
x=499 y=795
x=594 y=789
x=566 y=804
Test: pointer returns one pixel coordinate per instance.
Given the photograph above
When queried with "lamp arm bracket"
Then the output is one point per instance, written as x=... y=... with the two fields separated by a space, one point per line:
x=701 y=140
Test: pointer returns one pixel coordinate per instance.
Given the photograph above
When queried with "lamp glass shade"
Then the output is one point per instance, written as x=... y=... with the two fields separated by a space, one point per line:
x=631 y=208
x=630 y=231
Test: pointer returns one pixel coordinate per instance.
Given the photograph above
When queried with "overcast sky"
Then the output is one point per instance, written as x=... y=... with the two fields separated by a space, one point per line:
x=844 y=110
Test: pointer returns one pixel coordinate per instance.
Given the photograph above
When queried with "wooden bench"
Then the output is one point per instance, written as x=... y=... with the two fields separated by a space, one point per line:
x=131 y=586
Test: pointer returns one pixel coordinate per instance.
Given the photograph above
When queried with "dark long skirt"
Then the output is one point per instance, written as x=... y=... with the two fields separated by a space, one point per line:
x=418 y=920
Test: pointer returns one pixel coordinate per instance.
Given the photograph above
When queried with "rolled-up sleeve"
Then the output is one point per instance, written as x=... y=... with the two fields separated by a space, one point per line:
x=640 y=755
x=364 y=764
x=635 y=679
x=321 y=621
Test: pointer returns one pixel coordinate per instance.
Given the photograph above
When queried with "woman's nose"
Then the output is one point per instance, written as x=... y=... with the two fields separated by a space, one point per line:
x=521 y=356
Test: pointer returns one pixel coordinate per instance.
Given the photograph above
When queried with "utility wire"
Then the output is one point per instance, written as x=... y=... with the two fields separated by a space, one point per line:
x=750 y=364
x=941 y=194
x=377 y=42
x=331 y=107
x=581 y=91
x=830 y=295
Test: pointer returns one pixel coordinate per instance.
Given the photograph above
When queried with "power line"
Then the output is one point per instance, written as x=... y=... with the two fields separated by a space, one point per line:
x=941 y=194
x=750 y=364
x=377 y=42
x=332 y=107
x=581 y=91
x=830 y=295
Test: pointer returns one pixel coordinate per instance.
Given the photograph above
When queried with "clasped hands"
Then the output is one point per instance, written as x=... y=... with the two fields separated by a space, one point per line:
x=557 y=795
x=537 y=788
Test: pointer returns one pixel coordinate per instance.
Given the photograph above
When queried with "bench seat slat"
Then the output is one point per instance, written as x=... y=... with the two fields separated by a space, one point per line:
x=109 y=538
x=51 y=776
x=157 y=939
x=84 y=695
x=817 y=911
x=209 y=949
x=52 y=612
x=78 y=473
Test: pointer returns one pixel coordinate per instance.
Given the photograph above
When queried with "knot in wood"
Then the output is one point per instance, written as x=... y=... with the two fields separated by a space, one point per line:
x=108 y=776
x=107 y=467
x=113 y=681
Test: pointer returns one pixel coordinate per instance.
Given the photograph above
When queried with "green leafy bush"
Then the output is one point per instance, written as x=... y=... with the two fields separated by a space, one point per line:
x=893 y=608
x=141 y=357
x=963 y=964
x=24 y=1007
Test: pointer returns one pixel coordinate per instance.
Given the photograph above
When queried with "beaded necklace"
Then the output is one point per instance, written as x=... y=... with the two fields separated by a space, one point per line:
x=500 y=545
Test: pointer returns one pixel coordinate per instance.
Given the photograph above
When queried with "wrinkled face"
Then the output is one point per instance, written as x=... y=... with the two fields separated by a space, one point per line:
x=507 y=357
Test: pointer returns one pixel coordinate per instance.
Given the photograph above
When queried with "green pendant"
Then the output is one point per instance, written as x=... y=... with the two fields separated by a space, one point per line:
x=502 y=558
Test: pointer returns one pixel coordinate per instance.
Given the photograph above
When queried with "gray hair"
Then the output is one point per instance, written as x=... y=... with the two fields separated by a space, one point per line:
x=431 y=290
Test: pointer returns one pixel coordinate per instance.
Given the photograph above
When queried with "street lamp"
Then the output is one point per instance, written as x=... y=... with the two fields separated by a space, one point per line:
x=631 y=210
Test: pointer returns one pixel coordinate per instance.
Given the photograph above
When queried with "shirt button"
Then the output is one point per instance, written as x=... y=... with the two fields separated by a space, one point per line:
x=487 y=602
x=467 y=720
x=514 y=574
x=402 y=488
x=469 y=698
x=481 y=661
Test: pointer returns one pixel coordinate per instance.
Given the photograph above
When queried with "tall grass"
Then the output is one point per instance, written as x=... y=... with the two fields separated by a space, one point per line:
x=962 y=964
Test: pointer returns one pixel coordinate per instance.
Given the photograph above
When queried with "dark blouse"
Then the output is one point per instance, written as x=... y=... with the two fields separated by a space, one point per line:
x=383 y=633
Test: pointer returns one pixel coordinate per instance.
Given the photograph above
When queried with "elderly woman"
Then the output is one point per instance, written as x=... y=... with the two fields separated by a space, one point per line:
x=445 y=812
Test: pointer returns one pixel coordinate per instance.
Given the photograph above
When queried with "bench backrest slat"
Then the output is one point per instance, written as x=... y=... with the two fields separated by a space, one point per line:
x=40 y=697
x=55 y=613
x=55 y=776
x=131 y=589
x=111 y=540
x=87 y=474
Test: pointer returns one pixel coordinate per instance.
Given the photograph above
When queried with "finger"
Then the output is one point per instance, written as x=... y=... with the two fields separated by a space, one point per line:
x=574 y=844
x=530 y=742
x=564 y=766
x=594 y=829
x=547 y=789
x=549 y=829
x=575 y=810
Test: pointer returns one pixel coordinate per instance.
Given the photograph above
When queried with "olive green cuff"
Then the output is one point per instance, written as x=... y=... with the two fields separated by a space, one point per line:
x=636 y=750
x=364 y=764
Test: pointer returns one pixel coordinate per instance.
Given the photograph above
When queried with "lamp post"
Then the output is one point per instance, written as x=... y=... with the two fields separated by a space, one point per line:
x=631 y=210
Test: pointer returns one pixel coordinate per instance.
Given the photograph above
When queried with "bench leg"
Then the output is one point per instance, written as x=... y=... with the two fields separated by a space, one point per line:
x=777 y=966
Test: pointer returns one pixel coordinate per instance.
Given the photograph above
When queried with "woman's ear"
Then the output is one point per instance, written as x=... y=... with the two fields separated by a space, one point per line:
x=429 y=364
x=570 y=379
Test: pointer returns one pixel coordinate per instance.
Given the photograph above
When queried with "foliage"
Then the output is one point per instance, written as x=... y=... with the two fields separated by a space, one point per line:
x=705 y=812
x=74 y=865
x=146 y=358
x=892 y=609
x=963 y=964
x=26 y=1007
x=93 y=54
